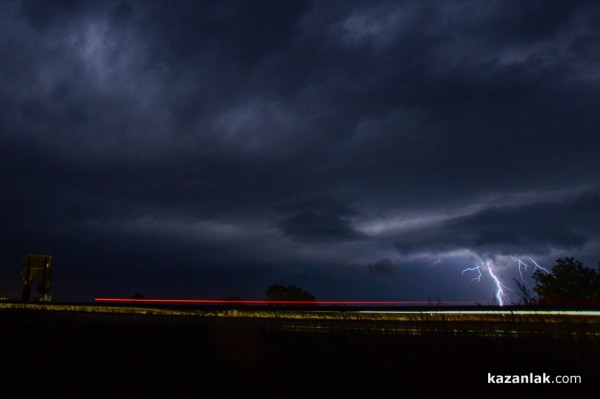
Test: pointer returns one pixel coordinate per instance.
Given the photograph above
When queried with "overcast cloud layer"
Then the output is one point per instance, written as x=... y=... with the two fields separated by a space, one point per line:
x=362 y=150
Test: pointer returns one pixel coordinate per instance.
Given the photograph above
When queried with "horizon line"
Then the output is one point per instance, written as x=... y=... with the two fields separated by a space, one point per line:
x=268 y=302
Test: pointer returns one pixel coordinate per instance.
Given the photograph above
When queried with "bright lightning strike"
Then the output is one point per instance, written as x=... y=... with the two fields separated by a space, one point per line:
x=501 y=296
x=539 y=267
x=478 y=277
x=520 y=263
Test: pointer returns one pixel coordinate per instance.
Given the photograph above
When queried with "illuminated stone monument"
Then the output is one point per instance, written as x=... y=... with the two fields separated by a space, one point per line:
x=36 y=267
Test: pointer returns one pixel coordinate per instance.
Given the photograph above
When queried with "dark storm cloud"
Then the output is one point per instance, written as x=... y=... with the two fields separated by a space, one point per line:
x=538 y=228
x=384 y=268
x=280 y=136
x=318 y=221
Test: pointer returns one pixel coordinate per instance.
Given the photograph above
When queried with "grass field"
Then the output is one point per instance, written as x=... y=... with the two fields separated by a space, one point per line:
x=156 y=353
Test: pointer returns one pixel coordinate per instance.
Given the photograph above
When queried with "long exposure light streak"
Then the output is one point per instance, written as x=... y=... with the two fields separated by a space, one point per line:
x=588 y=313
x=418 y=311
x=257 y=302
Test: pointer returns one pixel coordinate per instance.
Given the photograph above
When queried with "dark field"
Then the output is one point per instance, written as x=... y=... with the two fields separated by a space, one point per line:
x=73 y=355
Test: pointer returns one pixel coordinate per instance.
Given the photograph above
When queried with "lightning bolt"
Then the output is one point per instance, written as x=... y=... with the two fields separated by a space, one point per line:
x=519 y=264
x=501 y=295
x=539 y=267
x=525 y=265
x=478 y=277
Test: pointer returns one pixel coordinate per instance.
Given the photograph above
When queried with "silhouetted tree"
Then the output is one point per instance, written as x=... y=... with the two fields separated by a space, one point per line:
x=279 y=292
x=526 y=297
x=568 y=281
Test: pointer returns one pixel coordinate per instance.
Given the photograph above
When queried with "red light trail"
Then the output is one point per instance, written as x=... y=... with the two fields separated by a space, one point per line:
x=257 y=302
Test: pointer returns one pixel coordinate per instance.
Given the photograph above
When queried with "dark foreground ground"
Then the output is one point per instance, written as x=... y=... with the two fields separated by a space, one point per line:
x=66 y=355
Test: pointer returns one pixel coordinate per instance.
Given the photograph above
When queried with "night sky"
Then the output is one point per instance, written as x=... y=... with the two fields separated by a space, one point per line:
x=361 y=150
